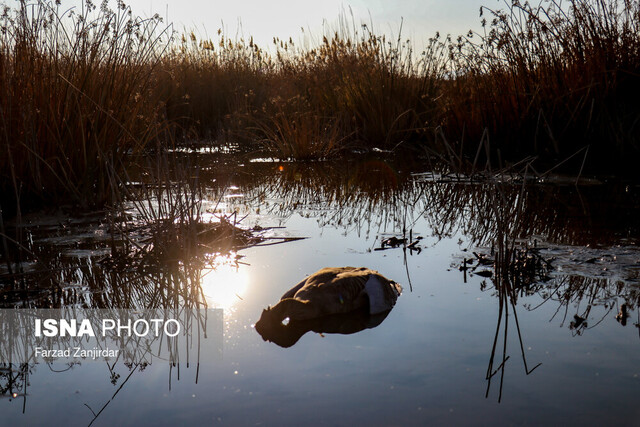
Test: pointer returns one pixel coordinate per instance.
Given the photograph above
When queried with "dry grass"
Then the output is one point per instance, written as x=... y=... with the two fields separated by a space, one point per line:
x=546 y=81
x=80 y=91
x=375 y=91
x=76 y=95
x=549 y=80
x=352 y=89
x=208 y=85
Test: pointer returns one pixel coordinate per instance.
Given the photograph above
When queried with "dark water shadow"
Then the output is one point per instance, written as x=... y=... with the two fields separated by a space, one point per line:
x=286 y=335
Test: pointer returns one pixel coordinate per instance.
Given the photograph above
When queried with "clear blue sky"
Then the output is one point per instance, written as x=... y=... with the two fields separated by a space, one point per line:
x=283 y=18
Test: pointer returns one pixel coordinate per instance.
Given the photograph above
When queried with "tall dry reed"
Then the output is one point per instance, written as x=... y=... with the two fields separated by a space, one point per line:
x=76 y=95
x=549 y=80
x=80 y=89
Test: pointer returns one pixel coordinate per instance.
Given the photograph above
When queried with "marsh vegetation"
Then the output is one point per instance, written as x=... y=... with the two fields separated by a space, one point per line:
x=83 y=89
x=436 y=165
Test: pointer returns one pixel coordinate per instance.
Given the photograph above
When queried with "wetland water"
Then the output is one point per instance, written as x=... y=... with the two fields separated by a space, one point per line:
x=553 y=338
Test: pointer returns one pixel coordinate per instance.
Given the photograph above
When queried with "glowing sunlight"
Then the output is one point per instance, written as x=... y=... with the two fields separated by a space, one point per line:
x=225 y=283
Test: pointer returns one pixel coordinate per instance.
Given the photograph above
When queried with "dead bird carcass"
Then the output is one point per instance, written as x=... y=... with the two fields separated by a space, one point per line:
x=335 y=300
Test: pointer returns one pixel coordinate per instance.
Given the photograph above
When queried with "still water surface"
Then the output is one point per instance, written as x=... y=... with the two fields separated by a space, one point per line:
x=427 y=362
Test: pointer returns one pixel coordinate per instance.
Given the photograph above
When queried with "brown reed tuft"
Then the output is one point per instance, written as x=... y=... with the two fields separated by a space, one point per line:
x=76 y=95
x=79 y=90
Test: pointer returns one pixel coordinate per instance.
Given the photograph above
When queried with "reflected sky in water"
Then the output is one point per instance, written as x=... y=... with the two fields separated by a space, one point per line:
x=224 y=283
x=426 y=364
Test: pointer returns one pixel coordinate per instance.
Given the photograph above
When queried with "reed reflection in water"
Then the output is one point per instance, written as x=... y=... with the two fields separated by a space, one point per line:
x=509 y=225
x=543 y=243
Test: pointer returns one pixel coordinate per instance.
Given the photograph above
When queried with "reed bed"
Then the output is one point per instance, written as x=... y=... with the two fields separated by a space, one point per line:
x=355 y=89
x=550 y=80
x=553 y=81
x=75 y=97
x=79 y=90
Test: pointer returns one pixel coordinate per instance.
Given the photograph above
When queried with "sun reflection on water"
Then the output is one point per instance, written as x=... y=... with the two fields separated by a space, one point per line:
x=224 y=284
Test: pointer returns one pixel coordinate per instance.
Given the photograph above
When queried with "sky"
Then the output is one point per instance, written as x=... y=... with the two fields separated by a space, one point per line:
x=284 y=18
